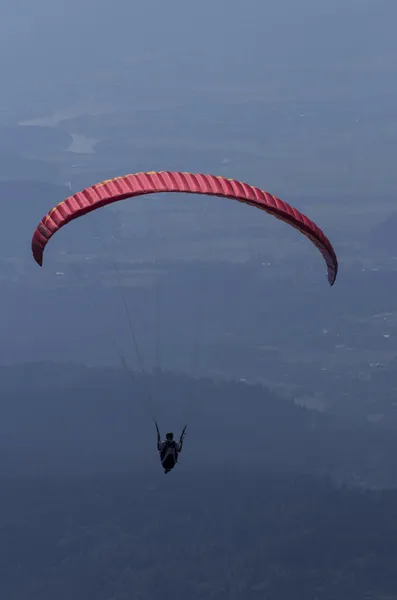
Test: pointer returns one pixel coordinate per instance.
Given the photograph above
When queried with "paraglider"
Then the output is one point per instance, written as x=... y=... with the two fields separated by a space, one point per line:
x=139 y=184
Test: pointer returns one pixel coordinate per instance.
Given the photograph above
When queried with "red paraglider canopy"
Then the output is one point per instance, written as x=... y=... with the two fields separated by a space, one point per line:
x=138 y=184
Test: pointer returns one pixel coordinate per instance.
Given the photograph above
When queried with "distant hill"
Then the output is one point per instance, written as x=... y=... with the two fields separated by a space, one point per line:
x=29 y=140
x=13 y=166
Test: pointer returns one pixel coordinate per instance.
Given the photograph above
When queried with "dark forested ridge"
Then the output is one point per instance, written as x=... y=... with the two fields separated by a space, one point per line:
x=256 y=508
x=70 y=418
x=207 y=534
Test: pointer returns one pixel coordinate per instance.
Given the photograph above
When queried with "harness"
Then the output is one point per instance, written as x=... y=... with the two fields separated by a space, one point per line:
x=169 y=450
